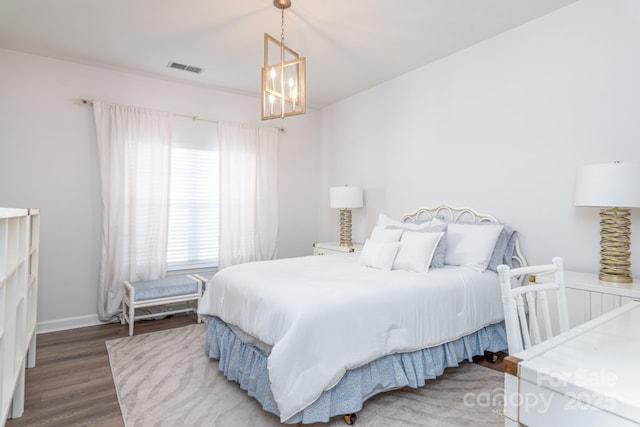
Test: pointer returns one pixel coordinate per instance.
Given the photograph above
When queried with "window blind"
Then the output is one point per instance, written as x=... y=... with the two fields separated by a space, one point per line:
x=193 y=212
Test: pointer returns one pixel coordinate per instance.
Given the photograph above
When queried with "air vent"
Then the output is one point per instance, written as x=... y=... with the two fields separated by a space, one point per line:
x=183 y=67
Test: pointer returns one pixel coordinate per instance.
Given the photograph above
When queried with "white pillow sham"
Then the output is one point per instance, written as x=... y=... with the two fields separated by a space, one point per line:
x=381 y=234
x=471 y=245
x=386 y=222
x=378 y=255
x=416 y=251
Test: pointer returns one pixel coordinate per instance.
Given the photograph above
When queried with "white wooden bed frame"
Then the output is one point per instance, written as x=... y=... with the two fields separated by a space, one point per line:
x=451 y=214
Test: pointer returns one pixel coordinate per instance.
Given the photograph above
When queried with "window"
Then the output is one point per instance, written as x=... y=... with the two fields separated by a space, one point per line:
x=193 y=212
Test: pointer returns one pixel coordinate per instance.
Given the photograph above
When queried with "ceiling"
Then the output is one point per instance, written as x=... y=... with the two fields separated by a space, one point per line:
x=349 y=45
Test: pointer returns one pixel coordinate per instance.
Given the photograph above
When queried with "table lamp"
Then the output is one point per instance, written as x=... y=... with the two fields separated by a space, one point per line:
x=614 y=187
x=345 y=198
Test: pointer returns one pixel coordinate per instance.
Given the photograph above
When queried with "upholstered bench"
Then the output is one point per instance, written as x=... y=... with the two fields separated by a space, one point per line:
x=204 y=278
x=149 y=293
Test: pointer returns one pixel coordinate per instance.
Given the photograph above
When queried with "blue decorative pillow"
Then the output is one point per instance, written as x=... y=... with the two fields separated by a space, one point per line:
x=441 y=250
x=504 y=249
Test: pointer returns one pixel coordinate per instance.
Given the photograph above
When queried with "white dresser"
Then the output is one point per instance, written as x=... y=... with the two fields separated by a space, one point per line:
x=588 y=297
x=19 y=234
x=334 y=248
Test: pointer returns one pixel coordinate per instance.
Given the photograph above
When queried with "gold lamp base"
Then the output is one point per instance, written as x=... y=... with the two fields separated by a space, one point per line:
x=345 y=227
x=615 y=245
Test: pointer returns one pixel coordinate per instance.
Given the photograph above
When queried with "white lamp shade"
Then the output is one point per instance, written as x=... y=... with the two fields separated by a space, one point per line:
x=608 y=185
x=345 y=197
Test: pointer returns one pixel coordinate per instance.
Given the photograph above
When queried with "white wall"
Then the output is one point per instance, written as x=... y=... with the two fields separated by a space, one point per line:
x=48 y=160
x=501 y=127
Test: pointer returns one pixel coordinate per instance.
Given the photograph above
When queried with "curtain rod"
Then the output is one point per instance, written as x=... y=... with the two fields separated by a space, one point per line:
x=194 y=118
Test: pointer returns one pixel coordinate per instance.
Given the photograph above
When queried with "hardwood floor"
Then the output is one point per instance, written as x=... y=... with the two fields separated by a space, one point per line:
x=71 y=384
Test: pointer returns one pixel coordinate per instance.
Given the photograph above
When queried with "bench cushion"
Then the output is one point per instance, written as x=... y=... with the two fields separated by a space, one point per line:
x=164 y=288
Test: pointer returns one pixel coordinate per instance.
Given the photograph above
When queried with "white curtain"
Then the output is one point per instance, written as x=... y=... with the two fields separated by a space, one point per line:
x=134 y=150
x=248 y=193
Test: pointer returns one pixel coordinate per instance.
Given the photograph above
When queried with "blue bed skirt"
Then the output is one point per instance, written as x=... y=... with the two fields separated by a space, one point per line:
x=247 y=365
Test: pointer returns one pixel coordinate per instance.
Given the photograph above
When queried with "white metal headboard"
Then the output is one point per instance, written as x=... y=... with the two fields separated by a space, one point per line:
x=450 y=213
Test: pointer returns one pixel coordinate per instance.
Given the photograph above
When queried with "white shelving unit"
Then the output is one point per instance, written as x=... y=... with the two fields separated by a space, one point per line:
x=19 y=238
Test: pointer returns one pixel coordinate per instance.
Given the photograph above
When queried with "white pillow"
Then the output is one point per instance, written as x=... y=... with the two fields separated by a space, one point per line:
x=471 y=245
x=416 y=251
x=386 y=222
x=381 y=234
x=378 y=255
x=437 y=221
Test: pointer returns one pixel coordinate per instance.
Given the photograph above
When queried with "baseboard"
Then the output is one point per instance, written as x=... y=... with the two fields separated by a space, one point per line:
x=68 y=323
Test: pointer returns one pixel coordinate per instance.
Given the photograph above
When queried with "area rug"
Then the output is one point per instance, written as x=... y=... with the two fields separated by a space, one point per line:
x=164 y=379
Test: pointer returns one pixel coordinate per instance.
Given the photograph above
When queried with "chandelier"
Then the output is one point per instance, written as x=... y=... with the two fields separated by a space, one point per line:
x=283 y=75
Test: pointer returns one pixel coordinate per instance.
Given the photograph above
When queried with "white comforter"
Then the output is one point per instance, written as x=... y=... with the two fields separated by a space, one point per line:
x=324 y=315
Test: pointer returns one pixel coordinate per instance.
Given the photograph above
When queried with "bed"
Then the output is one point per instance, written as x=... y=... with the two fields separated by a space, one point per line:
x=314 y=337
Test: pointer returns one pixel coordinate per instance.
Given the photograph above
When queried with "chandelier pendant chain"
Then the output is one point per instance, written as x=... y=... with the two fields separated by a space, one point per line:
x=282 y=93
x=282 y=26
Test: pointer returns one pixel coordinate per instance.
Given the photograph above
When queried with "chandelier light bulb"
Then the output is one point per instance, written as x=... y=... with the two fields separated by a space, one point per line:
x=293 y=93
x=272 y=99
x=272 y=73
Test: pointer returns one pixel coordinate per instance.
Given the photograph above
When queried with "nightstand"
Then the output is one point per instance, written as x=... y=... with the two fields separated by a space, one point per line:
x=334 y=248
x=588 y=297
